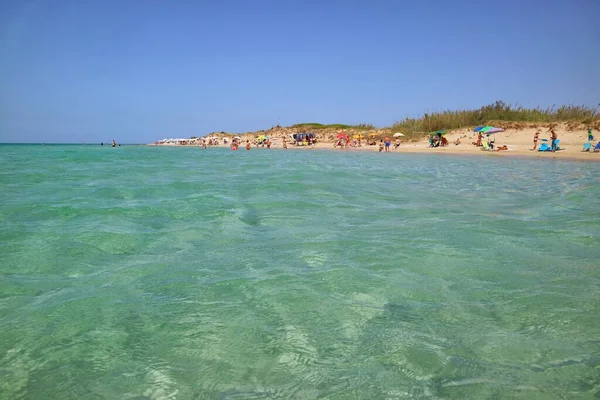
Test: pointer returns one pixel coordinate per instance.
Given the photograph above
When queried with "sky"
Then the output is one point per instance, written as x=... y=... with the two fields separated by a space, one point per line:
x=137 y=71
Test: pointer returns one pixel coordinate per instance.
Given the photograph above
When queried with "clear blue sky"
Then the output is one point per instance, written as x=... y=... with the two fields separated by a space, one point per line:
x=140 y=70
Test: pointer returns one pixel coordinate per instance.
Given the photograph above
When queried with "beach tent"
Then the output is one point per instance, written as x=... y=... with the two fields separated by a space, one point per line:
x=298 y=137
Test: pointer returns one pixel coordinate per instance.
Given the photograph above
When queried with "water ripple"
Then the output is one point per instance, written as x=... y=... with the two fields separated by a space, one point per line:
x=163 y=273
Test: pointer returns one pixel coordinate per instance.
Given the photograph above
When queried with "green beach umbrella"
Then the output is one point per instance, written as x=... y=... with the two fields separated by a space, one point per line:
x=485 y=129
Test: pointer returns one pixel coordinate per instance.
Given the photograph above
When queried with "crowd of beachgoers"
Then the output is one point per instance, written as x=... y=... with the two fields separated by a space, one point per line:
x=525 y=141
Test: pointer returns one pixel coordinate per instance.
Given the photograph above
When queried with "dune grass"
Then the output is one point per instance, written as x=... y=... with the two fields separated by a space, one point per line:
x=498 y=114
x=317 y=126
x=495 y=114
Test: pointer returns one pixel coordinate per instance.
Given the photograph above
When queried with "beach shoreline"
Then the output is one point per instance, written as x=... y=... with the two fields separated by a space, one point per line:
x=567 y=154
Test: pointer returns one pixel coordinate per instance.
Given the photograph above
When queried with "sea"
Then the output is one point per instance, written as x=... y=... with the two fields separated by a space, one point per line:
x=143 y=272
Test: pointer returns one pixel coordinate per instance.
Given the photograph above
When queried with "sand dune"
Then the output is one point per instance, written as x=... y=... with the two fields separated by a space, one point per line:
x=519 y=142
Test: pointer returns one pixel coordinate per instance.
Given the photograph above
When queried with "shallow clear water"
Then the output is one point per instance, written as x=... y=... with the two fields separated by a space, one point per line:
x=177 y=273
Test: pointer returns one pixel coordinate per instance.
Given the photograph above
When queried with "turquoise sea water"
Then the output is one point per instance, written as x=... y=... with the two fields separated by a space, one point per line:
x=177 y=273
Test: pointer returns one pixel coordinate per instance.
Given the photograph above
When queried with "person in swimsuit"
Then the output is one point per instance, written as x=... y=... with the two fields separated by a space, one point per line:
x=553 y=138
x=535 y=140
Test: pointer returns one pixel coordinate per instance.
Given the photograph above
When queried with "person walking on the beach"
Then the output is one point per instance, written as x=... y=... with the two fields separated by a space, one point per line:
x=536 y=136
x=590 y=136
x=553 y=138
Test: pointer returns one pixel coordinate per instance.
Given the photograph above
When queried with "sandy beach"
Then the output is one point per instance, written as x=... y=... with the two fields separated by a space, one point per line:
x=518 y=141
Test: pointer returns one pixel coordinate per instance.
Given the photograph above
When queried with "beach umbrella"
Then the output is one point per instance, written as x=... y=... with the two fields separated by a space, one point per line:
x=483 y=129
x=398 y=134
x=490 y=129
x=494 y=131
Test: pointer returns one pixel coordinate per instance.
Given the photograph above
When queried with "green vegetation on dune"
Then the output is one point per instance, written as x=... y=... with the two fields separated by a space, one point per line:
x=500 y=114
x=317 y=126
